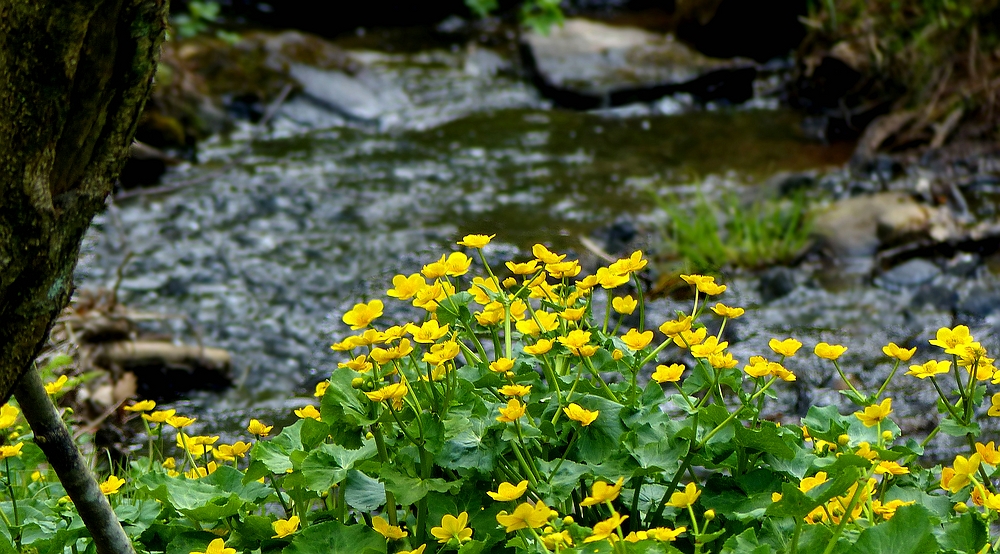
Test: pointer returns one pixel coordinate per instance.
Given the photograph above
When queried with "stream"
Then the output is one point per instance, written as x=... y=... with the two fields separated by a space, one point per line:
x=285 y=228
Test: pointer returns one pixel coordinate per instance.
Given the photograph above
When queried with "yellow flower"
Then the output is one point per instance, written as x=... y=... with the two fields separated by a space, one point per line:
x=514 y=390
x=609 y=279
x=285 y=527
x=577 y=413
x=391 y=532
x=687 y=339
x=929 y=368
x=892 y=468
x=668 y=374
x=602 y=492
x=709 y=347
x=888 y=509
x=685 y=498
x=512 y=412
x=476 y=241
x=545 y=256
x=994 y=405
x=726 y=311
x=787 y=347
x=576 y=342
x=724 y=360
x=704 y=284
x=507 y=492
x=675 y=327
x=395 y=391
x=573 y=314
x=757 y=368
x=427 y=333
x=143 y=406
x=217 y=546
x=809 y=483
x=453 y=528
x=9 y=451
x=955 y=478
x=361 y=315
x=308 y=411
x=405 y=288
x=524 y=516
x=636 y=340
x=542 y=322
x=482 y=289
x=179 y=422
x=196 y=445
x=8 y=414
x=57 y=385
x=111 y=485
x=502 y=365
x=228 y=452
x=540 y=347
x=457 y=264
x=384 y=356
x=526 y=268
x=629 y=264
x=876 y=413
x=604 y=529
x=988 y=452
x=492 y=314
x=258 y=428
x=624 y=304
x=950 y=338
x=321 y=388
x=442 y=352
x=829 y=351
x=992 y=501
x=418 y=550
x=560 y=540
x=901 y=354
x=666 y=534
x=563 y=270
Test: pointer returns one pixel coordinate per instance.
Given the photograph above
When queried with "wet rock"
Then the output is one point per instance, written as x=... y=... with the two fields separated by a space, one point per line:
x=910 y=274
x=362 y=97
x=939 y=297
x=775 y=283
x=978 y=304
x=586 y=65
x=858 y=226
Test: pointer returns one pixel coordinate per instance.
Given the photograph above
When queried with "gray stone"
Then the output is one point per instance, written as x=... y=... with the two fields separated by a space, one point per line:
x=359 y=97
x=858 y=226
x=909 y=274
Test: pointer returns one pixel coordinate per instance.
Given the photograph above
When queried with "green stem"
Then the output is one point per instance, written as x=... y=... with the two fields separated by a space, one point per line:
x=846 y=380
x=594 y=372
x=281 y=499
x=390 y=499
x=887 y=379
x=858 y=491
x=945 y=400
x=642 y=307
x=565 y=452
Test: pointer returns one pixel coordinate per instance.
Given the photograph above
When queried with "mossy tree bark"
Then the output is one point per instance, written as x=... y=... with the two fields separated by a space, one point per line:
x=74 y=76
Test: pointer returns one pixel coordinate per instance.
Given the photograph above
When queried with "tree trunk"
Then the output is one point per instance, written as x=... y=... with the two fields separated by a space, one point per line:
x=74 y=76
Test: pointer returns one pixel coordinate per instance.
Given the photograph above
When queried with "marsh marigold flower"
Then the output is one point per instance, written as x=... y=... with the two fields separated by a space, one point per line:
x=787 y=347
x=545 y=256
x=391 y=532
x=988 y=453
x=955 y=478
x=687 y=497
x=602 y=492
x=418 y=550
x=950 y=338
x=514 y=410
x=525 y=268
x=708 y=347
x=872 y=415
x=442 y=352
x=112 y=484
x=666 y=534
x=361 y=315
x=405 y=288
x=929 y=369
x=633 y=263
x=578 y=413
x=829 y=351
x=686 y=339
x=179 y=422
x=609 y=279
x=57 y=385
x=308 y=412
x=577 y=343
x=524 y=516
x=514 y=390
x=476 y=241
x=258 y=428
x=453 y=528
x=901 y=354
x=994 y=405
x=677 y=326
x=604 y=529
x=540 y=347
x=143 y=406
x=321 y=388
x=624 y=304
x=217 y=546
x=636 y=340
x=395 y=391
x=668 y=373
x=8 y=415
x=502 y=365
x=359 y=364
x=427 y=333
x=507 y=492
x=11 y=450
x=726 y=311
x=285 y=527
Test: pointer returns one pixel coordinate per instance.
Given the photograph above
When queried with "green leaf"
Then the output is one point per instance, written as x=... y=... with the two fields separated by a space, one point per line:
x=327 y=465
x=908 y=532
x=766 y=439
x=191 y=541
x=745 y=543
x=408 y=490
x=468 y=445
x=342 y=402
x=955 y=429
x=248 y=532
x=602 y=439
x=966 y=533
x=566 y=478
x=472 y=547
x=198 y=499
x=363 y=493
x=333 y=537
x=825 y=423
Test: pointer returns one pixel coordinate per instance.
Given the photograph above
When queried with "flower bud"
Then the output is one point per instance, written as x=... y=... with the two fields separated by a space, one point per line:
x=709 y=515
x=842 y=440
x=887 y=435
x=961 y=507
x=357 y=382
x=369 y=435
x=567 y=520
x=509 y=282
x=548 y=530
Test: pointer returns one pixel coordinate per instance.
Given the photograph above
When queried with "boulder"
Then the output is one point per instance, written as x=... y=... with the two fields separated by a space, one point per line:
x=859 y=226
x=586 y=64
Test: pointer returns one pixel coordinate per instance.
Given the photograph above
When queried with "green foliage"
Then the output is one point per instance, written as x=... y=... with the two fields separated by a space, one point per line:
x=540 y=15
x=511 y=418
x=708 y=237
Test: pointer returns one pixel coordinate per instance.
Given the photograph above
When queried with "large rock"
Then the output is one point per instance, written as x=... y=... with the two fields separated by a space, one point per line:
x=585 y=64
x=859 y=226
